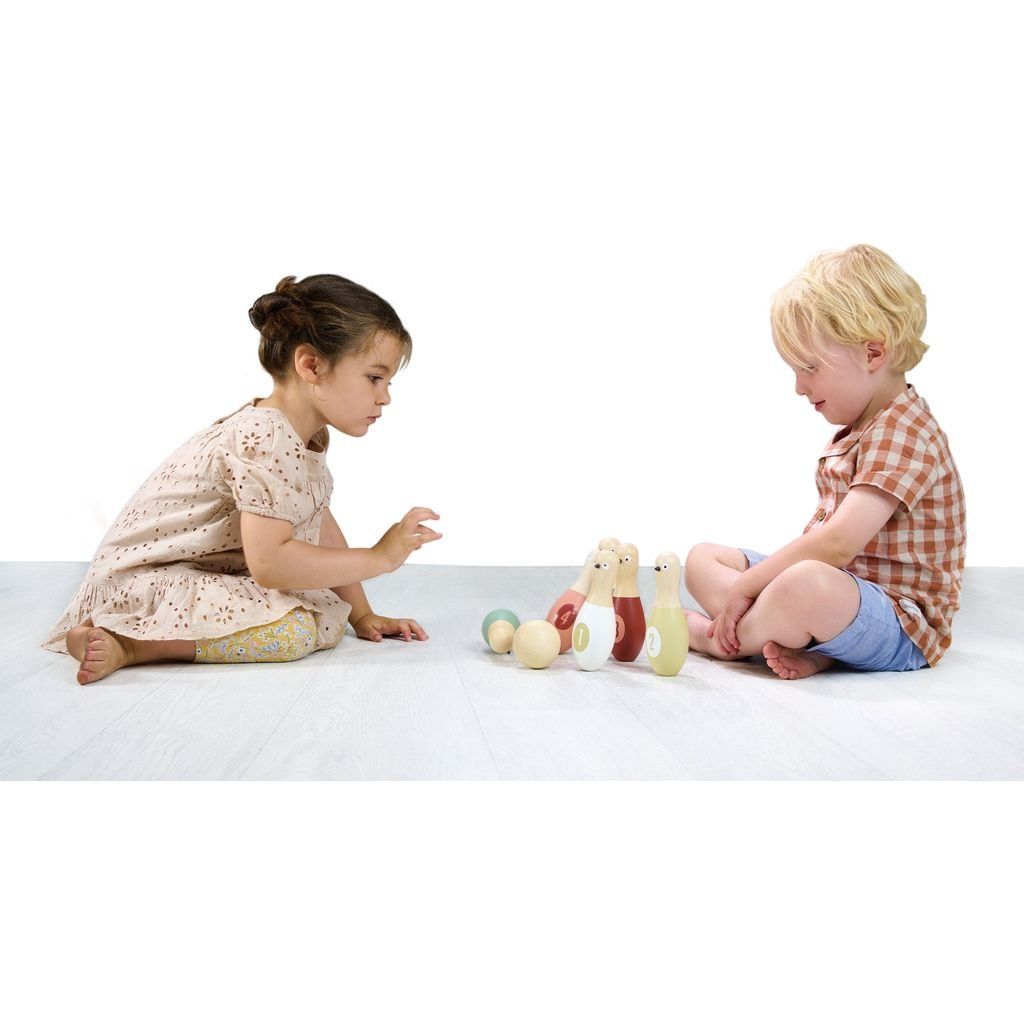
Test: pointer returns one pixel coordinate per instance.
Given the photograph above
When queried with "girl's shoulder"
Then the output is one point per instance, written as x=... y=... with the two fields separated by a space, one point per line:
x=270 y=427
x=242 y=411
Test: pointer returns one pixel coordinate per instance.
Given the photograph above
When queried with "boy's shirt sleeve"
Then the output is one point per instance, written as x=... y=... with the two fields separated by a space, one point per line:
x=896 y=461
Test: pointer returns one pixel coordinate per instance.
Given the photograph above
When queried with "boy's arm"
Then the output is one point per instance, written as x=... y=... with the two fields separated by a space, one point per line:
x=861 y=514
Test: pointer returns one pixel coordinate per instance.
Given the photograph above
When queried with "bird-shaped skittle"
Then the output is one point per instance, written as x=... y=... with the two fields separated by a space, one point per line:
x=593 y=636
x=564 y=611
x=630 y=625
x=610 y=544
x=668 y=638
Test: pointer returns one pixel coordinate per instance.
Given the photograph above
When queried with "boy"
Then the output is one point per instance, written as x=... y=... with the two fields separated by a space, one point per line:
x=874 y=580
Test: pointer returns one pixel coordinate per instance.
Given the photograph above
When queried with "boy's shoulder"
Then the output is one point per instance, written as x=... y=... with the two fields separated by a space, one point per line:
x=905 y=442
x=908 y=422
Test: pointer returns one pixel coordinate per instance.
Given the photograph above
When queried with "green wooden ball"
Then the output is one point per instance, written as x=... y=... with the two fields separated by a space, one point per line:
x=498 y=615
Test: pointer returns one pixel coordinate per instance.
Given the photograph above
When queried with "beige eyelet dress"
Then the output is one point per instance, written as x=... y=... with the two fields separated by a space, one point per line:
x=172 y=568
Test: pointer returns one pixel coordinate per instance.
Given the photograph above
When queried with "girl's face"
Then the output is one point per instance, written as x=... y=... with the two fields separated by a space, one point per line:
x=353 y=396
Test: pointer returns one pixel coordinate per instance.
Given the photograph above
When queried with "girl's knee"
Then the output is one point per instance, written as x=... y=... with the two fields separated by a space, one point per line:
x=290 y=638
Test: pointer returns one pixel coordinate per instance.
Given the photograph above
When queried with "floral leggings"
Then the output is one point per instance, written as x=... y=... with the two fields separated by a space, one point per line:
x=288 y=639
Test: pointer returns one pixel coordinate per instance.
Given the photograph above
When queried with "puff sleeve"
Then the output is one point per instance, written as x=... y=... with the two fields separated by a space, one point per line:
x=899 y=461
x=260 y=472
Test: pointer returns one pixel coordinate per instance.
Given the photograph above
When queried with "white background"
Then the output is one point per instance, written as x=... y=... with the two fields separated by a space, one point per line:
x=580 y=212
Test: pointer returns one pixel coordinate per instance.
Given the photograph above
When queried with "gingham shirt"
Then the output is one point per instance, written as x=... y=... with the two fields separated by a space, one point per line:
x=917 y=558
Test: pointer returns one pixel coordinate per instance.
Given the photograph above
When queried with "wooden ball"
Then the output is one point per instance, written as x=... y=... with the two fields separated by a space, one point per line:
x=536 y=643
x=498 y=615
x=499 y=636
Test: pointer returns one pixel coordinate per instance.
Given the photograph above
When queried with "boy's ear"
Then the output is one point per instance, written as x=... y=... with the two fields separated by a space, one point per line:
x=877 y=355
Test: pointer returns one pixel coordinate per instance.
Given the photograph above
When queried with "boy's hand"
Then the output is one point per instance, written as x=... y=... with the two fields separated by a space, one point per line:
x=375 y=627
x=723 y=627
x=406 y=536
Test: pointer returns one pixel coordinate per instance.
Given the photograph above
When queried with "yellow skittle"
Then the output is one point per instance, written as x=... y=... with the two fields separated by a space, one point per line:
x=668 y=637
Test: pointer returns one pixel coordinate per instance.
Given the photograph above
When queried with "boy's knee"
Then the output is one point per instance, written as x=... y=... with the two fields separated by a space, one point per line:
x=697 y=556
x=803 y=584
x=694 y=558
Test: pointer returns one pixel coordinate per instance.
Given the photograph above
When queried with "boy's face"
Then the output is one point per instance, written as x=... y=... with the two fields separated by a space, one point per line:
x=843 y=382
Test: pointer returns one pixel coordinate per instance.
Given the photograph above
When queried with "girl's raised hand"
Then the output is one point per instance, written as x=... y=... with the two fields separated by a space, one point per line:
x=407 y=536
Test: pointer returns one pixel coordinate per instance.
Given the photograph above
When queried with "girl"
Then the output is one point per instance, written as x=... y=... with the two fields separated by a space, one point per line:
x=229 y=552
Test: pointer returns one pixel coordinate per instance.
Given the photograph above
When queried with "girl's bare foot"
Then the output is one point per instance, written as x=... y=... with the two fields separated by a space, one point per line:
x=789 y=664
x=98 y=652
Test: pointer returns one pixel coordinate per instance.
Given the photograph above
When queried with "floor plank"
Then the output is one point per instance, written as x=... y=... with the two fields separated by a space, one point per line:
x=451 y=708
x=204 y=722
x=392 y=710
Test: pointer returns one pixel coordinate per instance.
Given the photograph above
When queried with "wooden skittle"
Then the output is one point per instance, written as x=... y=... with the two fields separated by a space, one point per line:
x=630 y=624
x=593 y=636
x=564 y=611
x=668 y=638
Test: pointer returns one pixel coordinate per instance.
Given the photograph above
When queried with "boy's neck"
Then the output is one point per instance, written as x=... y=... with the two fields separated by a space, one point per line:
x=886 y=395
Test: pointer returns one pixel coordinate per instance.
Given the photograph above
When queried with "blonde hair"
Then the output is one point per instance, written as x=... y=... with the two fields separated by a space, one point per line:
x=851 y=297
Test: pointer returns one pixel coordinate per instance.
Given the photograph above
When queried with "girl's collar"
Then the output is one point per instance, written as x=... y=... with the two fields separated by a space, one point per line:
x=317 y=443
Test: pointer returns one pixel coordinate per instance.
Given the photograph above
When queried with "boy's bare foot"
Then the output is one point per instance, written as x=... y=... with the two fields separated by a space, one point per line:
x=697 y=623
x=98 y=652
x=789 y=664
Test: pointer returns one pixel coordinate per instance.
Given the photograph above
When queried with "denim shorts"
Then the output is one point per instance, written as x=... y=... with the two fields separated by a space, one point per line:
x=875 y=640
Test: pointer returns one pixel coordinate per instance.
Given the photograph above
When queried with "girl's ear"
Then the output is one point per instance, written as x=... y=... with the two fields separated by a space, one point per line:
x=306 y=363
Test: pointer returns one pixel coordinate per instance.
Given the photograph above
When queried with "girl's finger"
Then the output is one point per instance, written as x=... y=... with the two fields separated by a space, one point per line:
x=420 y=512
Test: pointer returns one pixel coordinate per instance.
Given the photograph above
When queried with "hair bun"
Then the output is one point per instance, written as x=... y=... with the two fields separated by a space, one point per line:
x=282 y=297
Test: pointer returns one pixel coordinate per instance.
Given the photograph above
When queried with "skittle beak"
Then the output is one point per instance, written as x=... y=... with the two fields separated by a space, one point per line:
x=657 y=568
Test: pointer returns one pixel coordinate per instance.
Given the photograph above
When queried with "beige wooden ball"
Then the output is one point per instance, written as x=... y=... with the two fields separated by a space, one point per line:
x=499 y=636
x=536 y=643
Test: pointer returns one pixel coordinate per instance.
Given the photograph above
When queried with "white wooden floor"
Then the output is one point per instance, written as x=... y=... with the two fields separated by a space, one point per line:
x=450 y=709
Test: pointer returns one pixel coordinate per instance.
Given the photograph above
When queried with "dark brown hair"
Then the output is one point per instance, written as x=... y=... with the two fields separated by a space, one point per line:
x=333 y=315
